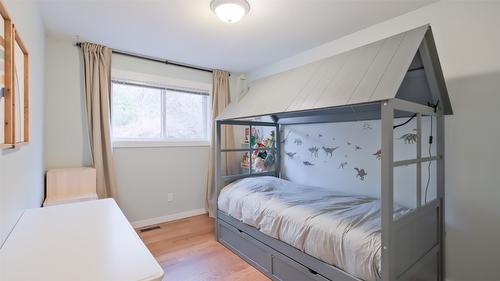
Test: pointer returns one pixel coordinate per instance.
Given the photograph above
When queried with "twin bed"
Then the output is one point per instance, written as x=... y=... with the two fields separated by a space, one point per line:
x=339 y=229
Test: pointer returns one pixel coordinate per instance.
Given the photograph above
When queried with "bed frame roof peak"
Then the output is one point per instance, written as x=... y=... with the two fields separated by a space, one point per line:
x=353 y=83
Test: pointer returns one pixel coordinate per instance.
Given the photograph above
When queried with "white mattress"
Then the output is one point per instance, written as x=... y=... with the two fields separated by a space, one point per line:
x=342 y=230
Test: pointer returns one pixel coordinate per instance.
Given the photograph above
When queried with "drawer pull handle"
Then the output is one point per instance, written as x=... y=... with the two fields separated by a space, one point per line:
x=313 y=271
x=240 y=230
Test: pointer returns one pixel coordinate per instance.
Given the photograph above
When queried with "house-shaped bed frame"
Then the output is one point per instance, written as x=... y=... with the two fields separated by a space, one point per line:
x=399 y=76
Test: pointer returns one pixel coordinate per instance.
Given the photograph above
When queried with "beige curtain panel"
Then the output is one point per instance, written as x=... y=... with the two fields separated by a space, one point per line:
x=220 y=99
x=97 y=71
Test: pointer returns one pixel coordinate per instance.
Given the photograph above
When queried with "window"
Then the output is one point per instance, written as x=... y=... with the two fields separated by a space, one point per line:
x=143 y=114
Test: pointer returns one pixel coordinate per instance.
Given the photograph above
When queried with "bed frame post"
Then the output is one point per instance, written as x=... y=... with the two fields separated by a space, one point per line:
x=250 y=163
x=419 y=158
x=387 y=181
x=440 y=149
x=277 y=151
x=218 y=175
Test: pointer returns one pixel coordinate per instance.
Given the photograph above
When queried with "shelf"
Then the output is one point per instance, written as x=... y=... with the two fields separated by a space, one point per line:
x=247 y=149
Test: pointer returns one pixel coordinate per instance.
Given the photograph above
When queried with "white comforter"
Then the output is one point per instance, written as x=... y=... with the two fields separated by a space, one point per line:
x=340 y=229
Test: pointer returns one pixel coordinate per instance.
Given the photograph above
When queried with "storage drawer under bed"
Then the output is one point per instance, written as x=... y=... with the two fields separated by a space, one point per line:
x=265 y=259
x=286 y=269
x=251 y=250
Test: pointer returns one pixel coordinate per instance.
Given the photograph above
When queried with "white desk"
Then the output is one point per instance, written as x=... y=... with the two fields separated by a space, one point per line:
x=87 y=241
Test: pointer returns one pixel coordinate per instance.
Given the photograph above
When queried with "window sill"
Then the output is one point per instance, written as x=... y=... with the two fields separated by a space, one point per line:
x=147 y=143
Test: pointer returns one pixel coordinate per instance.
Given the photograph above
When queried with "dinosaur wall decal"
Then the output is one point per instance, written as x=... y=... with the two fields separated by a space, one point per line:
x=360 y=173
x=307 y=163
x=297 y=142
x=409 y=138
x=342 y=165
x=378 y=154
x=329 y=150
x=314 y=151
x=290 y=155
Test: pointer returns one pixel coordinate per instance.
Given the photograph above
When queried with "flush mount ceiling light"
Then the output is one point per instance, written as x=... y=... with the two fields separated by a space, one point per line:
x=230 y=11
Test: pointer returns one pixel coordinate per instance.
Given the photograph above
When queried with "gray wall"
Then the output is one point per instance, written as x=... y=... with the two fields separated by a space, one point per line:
x=66 y=140
x=467 y=39
x=145 y=175
x=356 y=145
x=21 y=170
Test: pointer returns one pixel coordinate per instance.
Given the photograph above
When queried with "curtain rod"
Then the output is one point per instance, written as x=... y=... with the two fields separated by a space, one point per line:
x=134 y=55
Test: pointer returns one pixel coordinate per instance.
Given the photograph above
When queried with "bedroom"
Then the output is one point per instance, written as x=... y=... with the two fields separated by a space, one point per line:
x=150 y=141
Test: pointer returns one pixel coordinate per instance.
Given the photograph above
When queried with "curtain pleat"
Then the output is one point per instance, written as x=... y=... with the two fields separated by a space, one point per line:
x=97 y=72
x=220 y=100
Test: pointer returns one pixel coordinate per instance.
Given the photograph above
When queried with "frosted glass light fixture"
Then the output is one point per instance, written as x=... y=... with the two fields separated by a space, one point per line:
x=230 y=11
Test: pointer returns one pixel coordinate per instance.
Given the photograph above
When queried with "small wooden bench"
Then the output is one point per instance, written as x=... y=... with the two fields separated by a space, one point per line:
x=69 y=185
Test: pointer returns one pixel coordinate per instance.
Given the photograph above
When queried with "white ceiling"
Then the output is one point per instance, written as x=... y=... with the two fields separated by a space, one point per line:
x=187 y=31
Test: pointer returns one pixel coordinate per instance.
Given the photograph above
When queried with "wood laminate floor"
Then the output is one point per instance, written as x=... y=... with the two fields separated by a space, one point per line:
x=187 y=251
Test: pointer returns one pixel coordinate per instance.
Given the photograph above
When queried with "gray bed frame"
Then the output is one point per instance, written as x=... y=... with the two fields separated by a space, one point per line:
x=412 y=246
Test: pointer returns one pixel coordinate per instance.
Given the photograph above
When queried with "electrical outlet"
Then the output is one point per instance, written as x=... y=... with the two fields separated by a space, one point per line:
x=170 y=197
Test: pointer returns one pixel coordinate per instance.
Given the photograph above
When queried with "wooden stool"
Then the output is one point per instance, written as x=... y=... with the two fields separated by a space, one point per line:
x=70 y=185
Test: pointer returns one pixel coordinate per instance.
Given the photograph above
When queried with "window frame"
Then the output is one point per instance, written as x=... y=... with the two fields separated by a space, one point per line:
x=164 y=84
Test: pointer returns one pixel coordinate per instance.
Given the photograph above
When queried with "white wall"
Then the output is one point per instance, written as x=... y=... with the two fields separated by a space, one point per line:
x=468 y=40
x=144 y=175
x=21 y=170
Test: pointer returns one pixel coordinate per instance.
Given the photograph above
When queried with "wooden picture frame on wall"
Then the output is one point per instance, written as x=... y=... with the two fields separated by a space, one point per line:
x=20 y=87
x=14 y=85
x=6 y=38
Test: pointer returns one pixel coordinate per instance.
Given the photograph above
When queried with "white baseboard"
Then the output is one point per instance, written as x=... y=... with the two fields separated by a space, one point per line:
x=167 y=218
